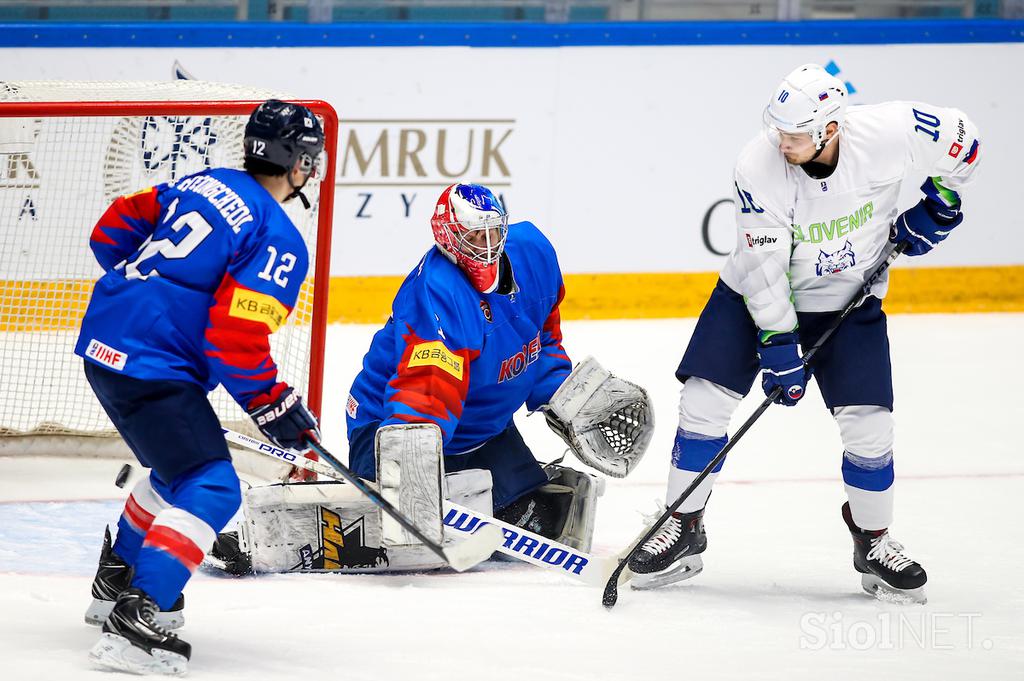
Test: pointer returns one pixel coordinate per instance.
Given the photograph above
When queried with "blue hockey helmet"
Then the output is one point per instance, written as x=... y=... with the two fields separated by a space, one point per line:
x=280 y=133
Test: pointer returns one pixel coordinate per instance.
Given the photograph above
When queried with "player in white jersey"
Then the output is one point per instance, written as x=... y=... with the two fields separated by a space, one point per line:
x=816 y=213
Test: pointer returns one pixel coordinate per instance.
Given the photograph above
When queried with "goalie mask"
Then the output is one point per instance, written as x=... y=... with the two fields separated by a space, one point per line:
x=808 y=100
x=470 y=227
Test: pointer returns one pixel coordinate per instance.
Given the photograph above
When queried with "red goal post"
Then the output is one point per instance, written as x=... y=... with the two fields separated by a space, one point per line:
x=61 y=163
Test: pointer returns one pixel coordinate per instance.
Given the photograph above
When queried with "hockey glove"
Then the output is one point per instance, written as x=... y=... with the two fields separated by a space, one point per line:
x=925 y=225
x=781 y=366
x=284 y=419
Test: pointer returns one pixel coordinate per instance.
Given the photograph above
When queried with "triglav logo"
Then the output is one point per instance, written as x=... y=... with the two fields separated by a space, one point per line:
x=387 y=163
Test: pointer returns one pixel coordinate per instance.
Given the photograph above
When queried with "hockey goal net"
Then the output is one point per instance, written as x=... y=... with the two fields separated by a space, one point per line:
x=67 y=149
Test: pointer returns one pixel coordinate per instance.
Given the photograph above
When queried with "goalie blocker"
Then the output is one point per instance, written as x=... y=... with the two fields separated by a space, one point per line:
x=331 y=527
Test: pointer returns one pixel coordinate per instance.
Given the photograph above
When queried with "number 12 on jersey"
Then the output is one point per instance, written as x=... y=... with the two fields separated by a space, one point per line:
x=279 y=277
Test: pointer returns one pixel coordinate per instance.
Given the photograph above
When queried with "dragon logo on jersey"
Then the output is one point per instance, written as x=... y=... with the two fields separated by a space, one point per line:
x=831 y=263
x=341 y=546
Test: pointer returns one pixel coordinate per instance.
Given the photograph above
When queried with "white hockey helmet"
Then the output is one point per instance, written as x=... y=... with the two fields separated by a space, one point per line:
x=808 y=100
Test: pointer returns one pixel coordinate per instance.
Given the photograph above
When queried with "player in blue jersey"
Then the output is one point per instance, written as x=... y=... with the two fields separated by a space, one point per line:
x=474 y=335
x=198 y=273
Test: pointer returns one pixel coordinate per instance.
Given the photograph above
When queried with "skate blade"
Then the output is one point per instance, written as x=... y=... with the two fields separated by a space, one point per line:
x=684 y=568
x=99 y=610
x=116 y=652
x=890 y=594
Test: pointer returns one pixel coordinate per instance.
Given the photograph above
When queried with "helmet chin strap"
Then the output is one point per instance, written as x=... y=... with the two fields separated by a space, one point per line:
x=821 y=147
x=297 y=191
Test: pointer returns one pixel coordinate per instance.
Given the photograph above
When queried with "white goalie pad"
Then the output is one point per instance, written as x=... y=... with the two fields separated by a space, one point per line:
x=607 y=421
x=586 y=488
x=410 y=469
x=332 y=527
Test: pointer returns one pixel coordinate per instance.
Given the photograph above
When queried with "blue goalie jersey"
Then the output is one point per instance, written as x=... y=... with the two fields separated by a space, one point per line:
x=465 y=360
x=198 y=274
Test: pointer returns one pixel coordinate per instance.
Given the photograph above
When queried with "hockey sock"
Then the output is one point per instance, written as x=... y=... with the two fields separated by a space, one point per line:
x=142 y=506
x=691 y=454
x=867 y=433
x=203 y=501
x=868 y=483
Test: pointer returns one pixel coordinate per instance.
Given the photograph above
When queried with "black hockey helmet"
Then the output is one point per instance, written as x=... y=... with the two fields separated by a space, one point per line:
x=280 y=133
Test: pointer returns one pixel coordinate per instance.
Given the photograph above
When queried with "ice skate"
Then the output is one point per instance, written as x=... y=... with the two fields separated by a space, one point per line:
x=227 y=555
x=113 y=576
x=673 y=554
x=886 y=572
x=132 y=641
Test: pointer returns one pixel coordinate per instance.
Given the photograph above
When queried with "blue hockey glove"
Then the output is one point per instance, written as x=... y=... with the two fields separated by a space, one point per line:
x=781 y=366
x=925 y=225
x=284 y=419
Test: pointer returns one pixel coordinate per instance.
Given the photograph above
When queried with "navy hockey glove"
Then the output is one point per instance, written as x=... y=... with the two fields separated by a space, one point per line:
x=781 y=366
x=925 y=225
x=284 y=419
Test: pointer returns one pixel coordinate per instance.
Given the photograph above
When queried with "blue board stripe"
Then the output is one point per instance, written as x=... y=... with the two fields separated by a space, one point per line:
x=509 y=34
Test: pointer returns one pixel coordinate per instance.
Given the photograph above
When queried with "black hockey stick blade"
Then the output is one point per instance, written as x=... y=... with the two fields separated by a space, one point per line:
x=611 y=589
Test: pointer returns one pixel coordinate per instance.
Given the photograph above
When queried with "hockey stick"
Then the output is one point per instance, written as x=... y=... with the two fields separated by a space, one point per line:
x=513 y=541
x=462 y=556
x=611 y=588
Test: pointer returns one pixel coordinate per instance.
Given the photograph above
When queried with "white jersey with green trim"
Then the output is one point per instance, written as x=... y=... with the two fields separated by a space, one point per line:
x=806 y=244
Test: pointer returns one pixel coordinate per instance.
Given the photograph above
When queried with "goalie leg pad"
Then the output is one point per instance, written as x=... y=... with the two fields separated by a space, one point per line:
x=607 y=421
x=332 y=527
x=409 y=472
x=563 y=510
x=587 y=487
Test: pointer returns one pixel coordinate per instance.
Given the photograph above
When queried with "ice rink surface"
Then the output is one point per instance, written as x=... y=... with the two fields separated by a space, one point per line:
x=778 y=598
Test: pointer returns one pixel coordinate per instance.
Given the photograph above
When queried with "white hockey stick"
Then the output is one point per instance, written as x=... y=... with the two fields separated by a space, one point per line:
x=517 y=542
x=482 y=542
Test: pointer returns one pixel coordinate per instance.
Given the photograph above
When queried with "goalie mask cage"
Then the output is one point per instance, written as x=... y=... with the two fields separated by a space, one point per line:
x=67 y=150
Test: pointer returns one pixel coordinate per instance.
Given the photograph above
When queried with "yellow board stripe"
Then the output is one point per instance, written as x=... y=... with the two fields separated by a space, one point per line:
x=367 y=300
x=57 y=305
x=53 y=305
x=60 y=304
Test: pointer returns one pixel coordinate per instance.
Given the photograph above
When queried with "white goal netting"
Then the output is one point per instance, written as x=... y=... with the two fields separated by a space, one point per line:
x=58 y=173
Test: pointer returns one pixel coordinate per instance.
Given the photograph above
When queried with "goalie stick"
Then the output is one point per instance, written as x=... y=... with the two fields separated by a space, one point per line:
x=508 y=539
x=462 y=556
x=611 y=589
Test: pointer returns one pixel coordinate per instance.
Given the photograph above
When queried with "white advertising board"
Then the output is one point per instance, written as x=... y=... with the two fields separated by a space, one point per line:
x=622 y=155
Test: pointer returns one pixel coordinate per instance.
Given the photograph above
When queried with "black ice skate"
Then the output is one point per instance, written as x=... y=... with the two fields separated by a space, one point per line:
x=132 y=641
x=673 y=554
x=113 y=576
x=886 y=572
x=227 y=555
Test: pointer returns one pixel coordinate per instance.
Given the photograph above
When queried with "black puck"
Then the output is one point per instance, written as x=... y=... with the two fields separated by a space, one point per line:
x=122 y=475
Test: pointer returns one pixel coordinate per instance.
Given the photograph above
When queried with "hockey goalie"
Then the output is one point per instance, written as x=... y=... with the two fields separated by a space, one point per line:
x=474 y=335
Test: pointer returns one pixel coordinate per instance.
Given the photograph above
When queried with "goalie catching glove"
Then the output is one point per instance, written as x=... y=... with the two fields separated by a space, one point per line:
x=284 y=419
x=606 y=421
